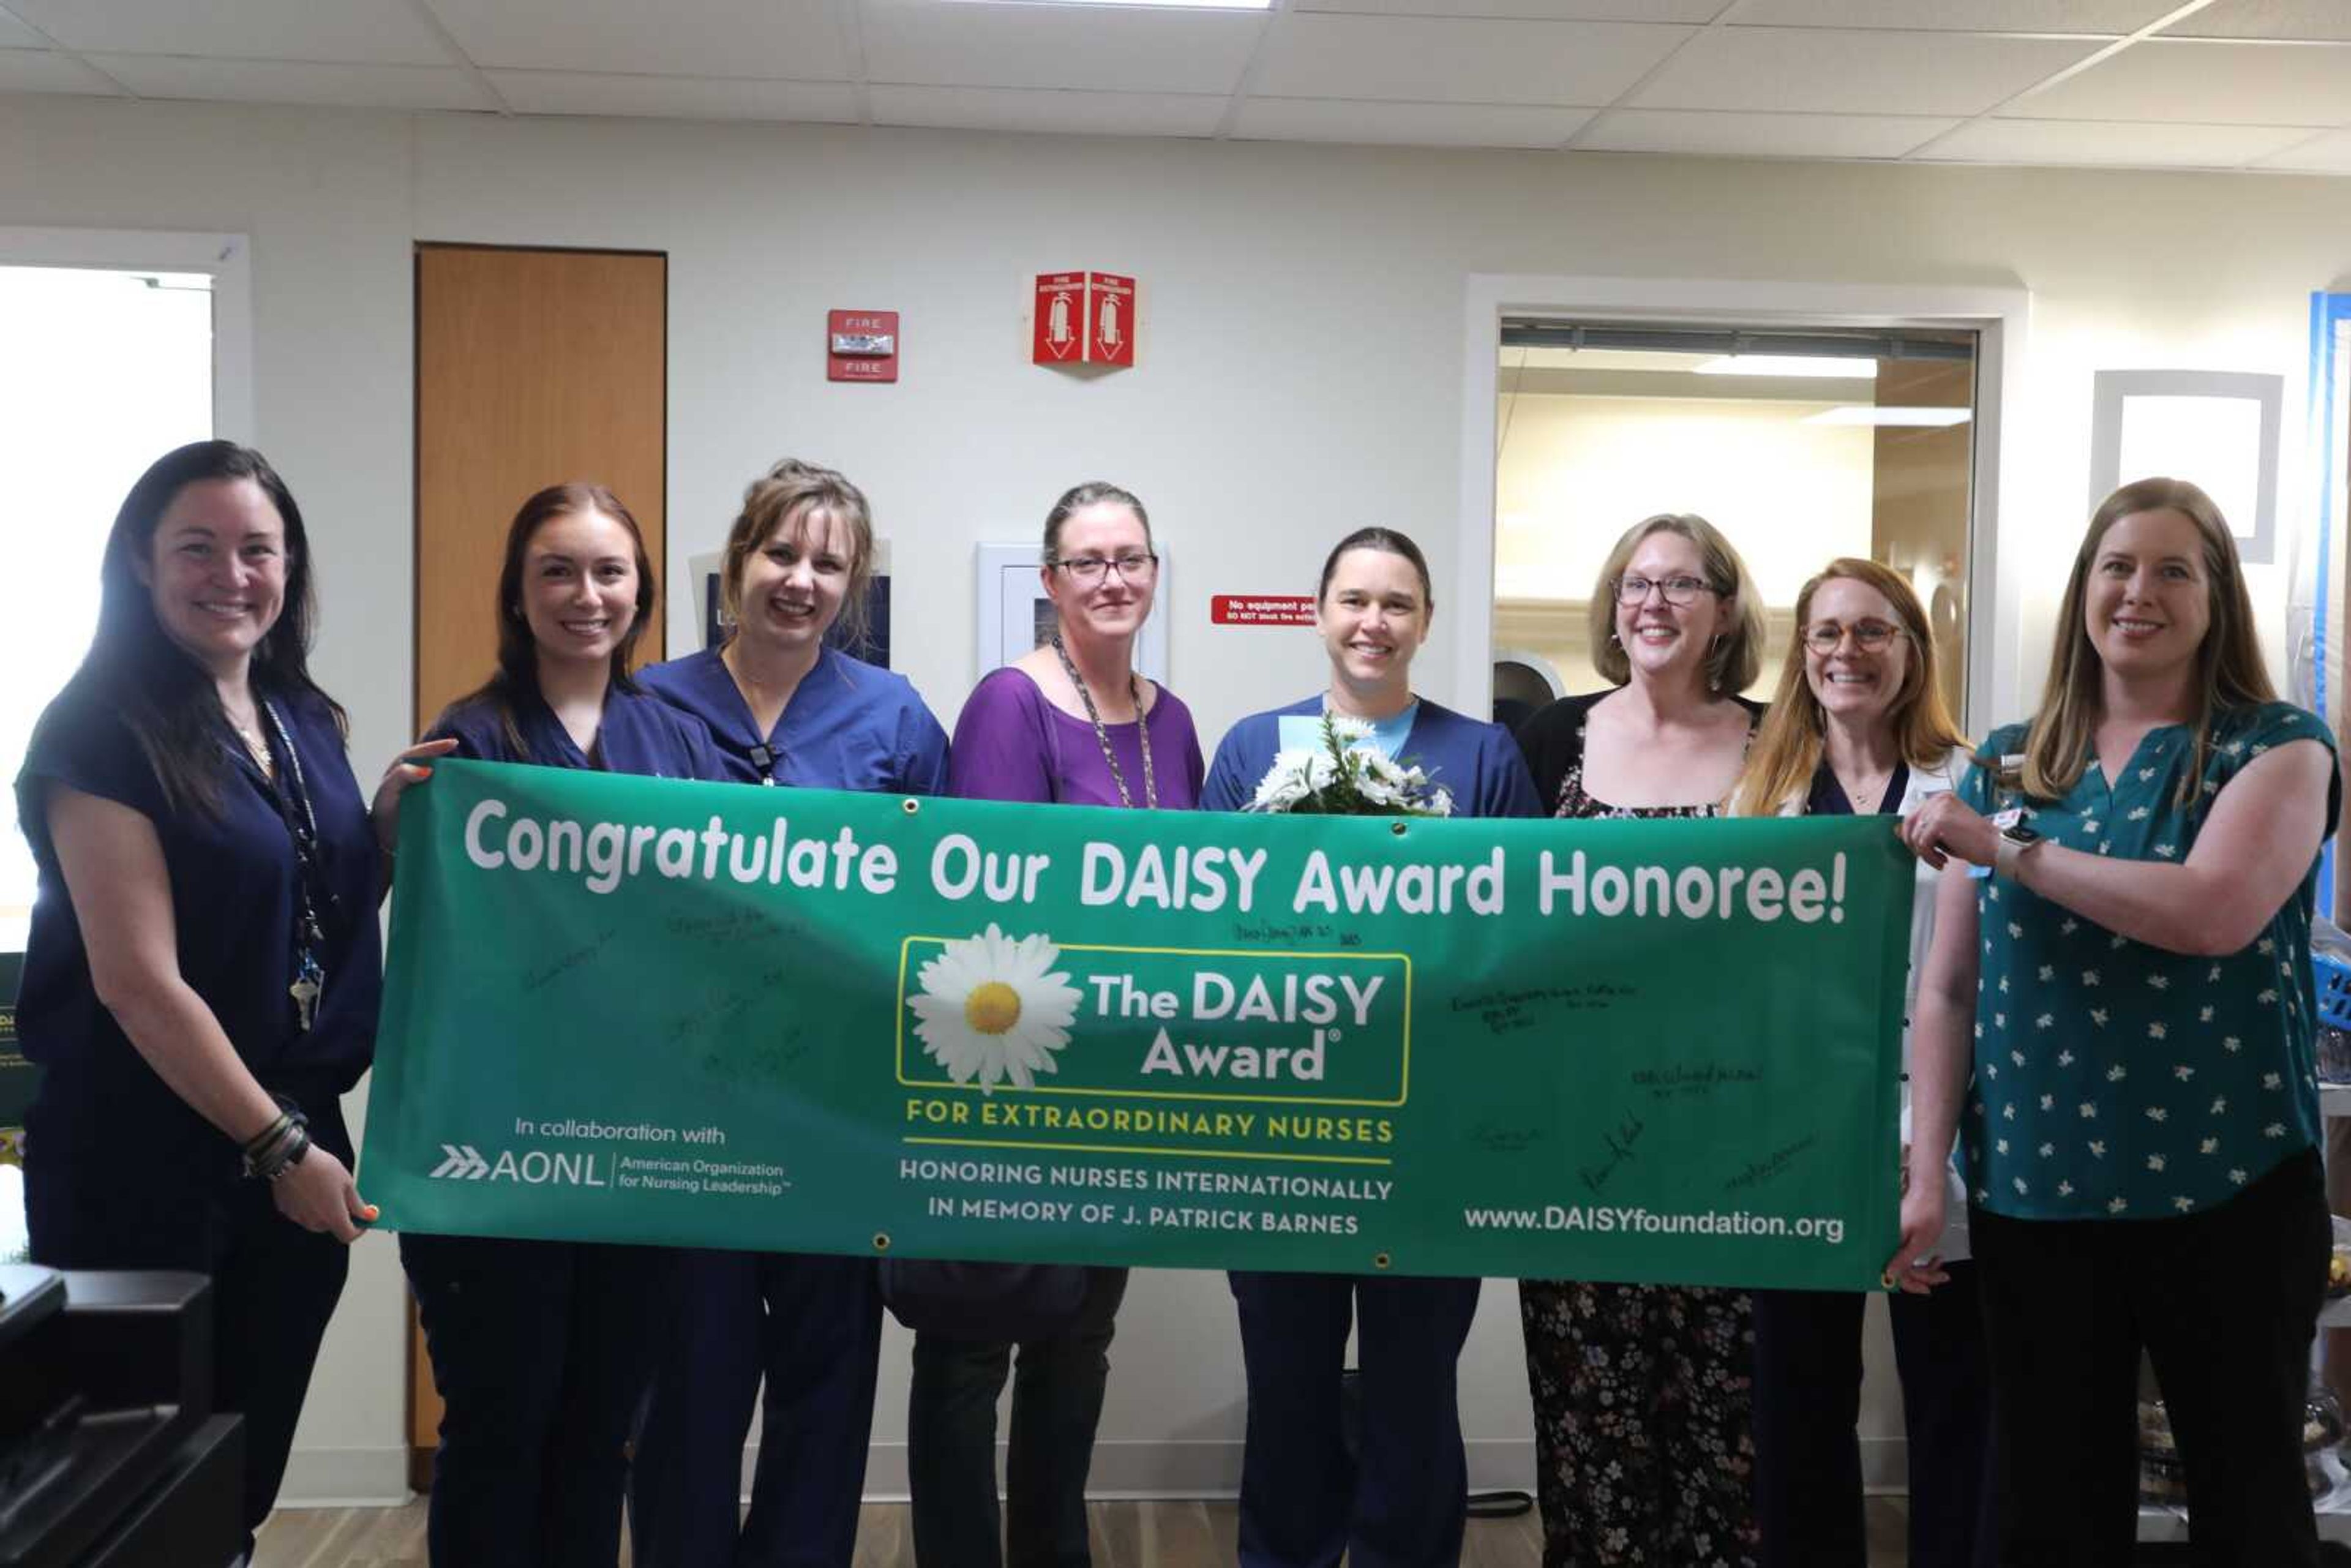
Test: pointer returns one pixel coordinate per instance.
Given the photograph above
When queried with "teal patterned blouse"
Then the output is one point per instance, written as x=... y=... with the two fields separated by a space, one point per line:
x=2113 y=1079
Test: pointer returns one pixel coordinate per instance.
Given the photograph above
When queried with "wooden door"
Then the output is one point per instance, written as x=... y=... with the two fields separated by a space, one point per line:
x=533 y=368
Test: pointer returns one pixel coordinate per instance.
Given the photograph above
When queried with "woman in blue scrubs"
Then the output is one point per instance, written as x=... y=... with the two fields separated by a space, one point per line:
x=782 y=707
x=1402 y=1502
x=203 y=972
x=542 y=1349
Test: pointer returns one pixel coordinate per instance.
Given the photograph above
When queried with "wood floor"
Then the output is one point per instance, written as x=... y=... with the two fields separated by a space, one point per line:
x=1159 y=1534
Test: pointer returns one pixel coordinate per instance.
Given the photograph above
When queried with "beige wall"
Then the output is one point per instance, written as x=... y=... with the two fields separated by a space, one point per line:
x=1300 y=376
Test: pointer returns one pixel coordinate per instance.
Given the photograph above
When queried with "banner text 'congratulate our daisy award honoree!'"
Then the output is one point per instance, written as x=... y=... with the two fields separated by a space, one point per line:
x=713 y=1015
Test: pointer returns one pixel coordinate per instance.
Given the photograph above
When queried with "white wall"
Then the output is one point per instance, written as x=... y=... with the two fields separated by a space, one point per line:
x=1300 y=375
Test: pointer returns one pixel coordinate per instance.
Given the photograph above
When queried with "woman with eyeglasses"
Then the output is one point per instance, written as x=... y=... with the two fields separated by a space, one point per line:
x=1071 y=722
x=1858 y=726
x=1642 y=1392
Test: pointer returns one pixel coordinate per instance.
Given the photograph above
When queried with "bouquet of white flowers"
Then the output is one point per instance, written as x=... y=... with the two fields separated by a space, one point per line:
x=1346 y=776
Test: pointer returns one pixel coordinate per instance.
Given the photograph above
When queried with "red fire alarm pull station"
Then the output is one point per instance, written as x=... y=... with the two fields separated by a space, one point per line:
x=860 y=346
x=1083 y=319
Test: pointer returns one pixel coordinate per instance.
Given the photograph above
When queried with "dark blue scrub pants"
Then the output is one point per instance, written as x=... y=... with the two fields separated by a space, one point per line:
x=541 y=1350
x=812 y=1326
x=273 y=1283
x=1057 y=1400
x=1808 y=1401
x=1402 y=1504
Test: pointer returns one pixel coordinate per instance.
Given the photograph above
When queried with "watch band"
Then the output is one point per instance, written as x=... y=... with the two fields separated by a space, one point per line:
x=2007 y=855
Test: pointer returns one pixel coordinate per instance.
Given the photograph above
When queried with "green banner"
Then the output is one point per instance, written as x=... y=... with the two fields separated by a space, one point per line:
x=619 y=1009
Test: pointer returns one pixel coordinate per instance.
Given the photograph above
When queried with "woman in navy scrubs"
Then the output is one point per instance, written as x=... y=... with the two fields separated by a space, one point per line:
x=1403 y=1502
x=542 y=1349
x=202 y=971
x=782 y=707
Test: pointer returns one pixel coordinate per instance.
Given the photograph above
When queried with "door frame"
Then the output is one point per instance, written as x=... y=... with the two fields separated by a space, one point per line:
x=226 y=258
x=2000 y=317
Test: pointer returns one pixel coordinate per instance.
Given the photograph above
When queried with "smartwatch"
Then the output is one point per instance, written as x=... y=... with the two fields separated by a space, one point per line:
x=2016 y=841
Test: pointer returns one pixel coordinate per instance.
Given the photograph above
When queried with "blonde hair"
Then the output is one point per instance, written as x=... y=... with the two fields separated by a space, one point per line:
x=2230 y=671
x=1787 y=750
x=1736 y=656
x=786 y=495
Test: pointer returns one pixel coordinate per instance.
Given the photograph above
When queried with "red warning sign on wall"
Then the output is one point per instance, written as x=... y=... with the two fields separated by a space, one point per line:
x=860 y=345
x=1261 y=609
x=1083 y=319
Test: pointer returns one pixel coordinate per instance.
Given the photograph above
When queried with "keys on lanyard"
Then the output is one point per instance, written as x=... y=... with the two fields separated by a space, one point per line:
x=309 y=981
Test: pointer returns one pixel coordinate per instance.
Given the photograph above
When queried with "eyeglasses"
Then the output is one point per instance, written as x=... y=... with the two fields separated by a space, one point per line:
x=1676 y=589
x=1869 y=636
x=1132 y=566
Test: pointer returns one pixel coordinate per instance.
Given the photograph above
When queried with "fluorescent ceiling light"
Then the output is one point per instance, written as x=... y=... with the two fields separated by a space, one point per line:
x=1147 y=4
x=1788 y=365
x=1861 y=413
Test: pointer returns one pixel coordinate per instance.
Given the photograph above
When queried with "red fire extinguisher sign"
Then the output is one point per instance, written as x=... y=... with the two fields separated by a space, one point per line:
x=1083 y=319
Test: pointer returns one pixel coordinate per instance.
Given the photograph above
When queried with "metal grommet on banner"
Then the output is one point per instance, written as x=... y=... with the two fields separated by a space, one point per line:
x=1396 y=827
x=910 y=805
x=881 y=1241
x=1379 y=1259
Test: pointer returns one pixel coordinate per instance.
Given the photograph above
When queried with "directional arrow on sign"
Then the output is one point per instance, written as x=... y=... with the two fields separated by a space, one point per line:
x=464 y=1163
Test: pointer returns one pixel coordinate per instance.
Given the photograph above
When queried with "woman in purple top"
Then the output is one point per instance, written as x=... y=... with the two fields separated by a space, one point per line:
x=1069 y=722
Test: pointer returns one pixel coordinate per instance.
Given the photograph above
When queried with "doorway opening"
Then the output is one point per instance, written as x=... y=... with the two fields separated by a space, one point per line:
x=1801 y=444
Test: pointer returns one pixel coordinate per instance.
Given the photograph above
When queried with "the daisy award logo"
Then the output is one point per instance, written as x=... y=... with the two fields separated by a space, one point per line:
x=993 y=1007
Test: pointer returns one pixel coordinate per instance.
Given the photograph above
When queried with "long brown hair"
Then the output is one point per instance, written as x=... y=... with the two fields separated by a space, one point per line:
x=1736 y=656
x=2229 y=670
x=1787 y=749
x=786 y=495
x=518 y=670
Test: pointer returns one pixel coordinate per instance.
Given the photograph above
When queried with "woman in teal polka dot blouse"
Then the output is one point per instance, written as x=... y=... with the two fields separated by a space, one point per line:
x=2115 y=1020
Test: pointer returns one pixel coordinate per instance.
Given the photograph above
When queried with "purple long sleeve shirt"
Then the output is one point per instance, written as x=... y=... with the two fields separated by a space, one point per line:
x=1011 y=744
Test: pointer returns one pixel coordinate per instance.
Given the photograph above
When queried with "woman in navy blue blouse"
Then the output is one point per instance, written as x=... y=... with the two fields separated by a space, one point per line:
x=203 y=972
x=542 y=1349
x=783 y=706
x=1303 y=1500
x=2117 y=1019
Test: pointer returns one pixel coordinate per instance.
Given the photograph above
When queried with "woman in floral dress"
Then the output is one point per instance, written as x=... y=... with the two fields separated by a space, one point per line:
x=1643 y=1394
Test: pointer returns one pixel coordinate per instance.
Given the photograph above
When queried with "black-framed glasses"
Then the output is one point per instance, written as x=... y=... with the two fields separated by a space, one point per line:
x=1133 y=566
x=1869 y=636
x=1676 y=589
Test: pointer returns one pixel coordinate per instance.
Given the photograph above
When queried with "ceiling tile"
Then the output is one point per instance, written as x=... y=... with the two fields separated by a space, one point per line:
x=38 y=70
x=283 y=81
x=1407 y=124
x=15 y=35
x=785 y=41
x=1823 y=72
x=1430 y=60
x=674 y=98
x=1762 y=135
x=1682 y=11
x=2266 y=19
x=372 y=31
x=2327 y=154
x=2207 y=84
x=1061 y=113
x=2109 y=18
x=2168 y=145
x=1085 y=48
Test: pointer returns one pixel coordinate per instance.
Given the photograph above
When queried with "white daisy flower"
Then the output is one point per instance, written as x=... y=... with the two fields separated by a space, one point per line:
x=991 y=1010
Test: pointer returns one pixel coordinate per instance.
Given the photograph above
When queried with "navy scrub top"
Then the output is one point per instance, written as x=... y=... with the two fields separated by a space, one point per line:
x=639 y=734
x=1478 y=762
x=850 y=726
x=235 y=897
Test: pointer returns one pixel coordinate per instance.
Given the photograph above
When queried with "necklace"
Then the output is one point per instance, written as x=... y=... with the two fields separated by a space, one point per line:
x=254 y=746
x=1865 y=801
x=1102 y=735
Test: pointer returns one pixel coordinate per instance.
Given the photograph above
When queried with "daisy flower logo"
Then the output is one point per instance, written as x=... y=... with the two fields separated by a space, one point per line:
x=993 y=1007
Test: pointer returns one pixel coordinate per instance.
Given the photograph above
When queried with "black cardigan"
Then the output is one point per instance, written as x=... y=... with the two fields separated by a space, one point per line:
x=1552 y=739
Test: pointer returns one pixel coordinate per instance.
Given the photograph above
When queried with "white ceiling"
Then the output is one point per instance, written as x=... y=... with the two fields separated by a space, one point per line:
x=2204 y=84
